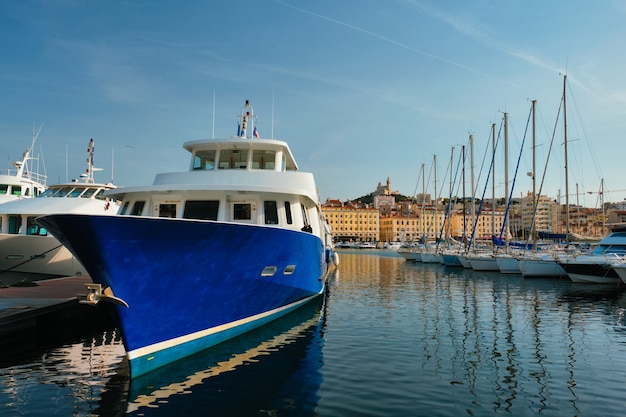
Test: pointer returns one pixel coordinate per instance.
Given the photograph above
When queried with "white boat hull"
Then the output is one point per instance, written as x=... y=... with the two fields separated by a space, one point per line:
x=37 y=255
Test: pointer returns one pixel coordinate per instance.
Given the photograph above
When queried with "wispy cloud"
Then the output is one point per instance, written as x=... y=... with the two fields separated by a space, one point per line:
x=382 y=37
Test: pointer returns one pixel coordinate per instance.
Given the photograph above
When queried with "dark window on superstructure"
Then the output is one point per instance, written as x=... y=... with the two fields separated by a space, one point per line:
x=3 y=189
x=137 y=208
x=288 y=212
x=307 y=226
x=203 y=210
x=271 y=212
x=15 y=222
x=124 y=208
x=32 y=228
x=167 y=210
x=16 y=190
x=242 y=211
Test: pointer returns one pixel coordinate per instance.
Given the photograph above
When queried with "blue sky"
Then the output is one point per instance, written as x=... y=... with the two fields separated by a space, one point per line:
x=361 y=90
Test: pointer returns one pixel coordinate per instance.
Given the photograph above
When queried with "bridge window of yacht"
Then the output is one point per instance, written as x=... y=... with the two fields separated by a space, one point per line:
x=233 y=158
x=201 y=209
x=4 y=188
x=75 y=192
x=137 y=208
x=62 y=192
x=271 y=212
x=16 y=190
x=288 y=212
x=263 y=159
x=88 y=192
x=204 y=160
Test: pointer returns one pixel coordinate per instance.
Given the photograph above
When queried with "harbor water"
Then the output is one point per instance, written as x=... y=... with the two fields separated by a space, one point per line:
x=391 y=338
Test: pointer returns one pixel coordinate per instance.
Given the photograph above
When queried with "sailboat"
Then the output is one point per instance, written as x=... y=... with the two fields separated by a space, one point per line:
x=486 y=261
x=544 y=264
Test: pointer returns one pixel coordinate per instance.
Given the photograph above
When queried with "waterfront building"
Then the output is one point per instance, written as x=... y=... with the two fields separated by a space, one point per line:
x=352 y=221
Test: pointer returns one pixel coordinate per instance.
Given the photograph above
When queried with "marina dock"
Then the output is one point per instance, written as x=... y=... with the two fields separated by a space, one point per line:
x=32 y=310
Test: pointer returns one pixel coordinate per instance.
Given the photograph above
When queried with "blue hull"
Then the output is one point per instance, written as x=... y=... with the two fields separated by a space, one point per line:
x=192 y=284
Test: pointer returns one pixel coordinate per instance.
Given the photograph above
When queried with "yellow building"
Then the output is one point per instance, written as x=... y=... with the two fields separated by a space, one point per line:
x=351 y=222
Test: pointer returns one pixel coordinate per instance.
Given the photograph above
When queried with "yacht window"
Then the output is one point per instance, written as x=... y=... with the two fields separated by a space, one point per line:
x=203 y=210
x=307 y=227
x=288 y=212
x=32 y=228
x=48 y=193
x=3 y=189
x=242 y=211
x=124 y=208
x=15 y=190
x=263 y=159
x=271 y=212
x=137 y=208
x=14 y=224
x=167 y=210
x=88 y=192
x=75 y=192
x=63 y=192
x=204 y=160
x=234 y=158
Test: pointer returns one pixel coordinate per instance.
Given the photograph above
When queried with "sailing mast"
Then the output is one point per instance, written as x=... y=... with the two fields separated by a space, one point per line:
x=566 y=173
x=506 y=177
x=436 y=202
x=533 y=233
x=493 y=180
x=473 y=207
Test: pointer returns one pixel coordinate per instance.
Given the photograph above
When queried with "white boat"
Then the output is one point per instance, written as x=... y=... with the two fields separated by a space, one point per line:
x=508 y=263
x=595 y=266
x=411 y=251
x=483 y=261
x=204 y=255
x=21 y=180
x=540 y=265
x=26 y=247
x=620 y=269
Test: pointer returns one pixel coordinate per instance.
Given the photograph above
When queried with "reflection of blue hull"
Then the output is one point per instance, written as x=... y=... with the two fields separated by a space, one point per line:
x=192 y=284
x=275 y=367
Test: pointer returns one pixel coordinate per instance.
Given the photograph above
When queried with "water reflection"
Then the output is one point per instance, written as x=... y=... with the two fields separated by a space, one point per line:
x=480 y=343
x=392 y=338
x=274 y=369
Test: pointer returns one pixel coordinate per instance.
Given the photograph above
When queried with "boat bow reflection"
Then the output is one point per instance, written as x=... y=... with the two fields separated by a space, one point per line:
x=276 y=367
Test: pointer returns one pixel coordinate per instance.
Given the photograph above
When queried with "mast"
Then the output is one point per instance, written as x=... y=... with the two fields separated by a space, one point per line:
x=450 y=208
x=534 y=174
x=435 y=205
x=422 y=229
x=473 y=207
x=463 y=181
x=493 y=179
x=506 y=174
x=566 y=173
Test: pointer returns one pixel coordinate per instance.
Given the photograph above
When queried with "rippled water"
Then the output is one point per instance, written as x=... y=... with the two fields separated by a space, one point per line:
x=392 y=338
